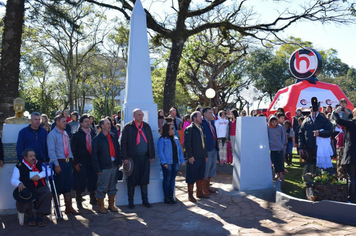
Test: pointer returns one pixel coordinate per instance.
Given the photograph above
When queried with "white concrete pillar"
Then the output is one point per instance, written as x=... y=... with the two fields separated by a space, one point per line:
x=252 y=162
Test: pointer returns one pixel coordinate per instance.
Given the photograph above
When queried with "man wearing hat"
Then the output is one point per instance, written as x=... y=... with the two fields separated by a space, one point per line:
x=106 y=158
x=61 y=156
x=137 y=143
x=28 y=178
x=315 y=125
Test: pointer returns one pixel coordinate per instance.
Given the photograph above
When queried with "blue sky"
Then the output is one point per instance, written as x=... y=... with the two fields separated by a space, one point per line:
x=340 y=37
x=323 y=36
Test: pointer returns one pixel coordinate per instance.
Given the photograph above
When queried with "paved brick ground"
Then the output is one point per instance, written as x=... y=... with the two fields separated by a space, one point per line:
x=226 y=213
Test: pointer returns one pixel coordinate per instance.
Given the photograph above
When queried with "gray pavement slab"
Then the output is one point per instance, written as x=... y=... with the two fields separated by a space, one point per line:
x=228 y=212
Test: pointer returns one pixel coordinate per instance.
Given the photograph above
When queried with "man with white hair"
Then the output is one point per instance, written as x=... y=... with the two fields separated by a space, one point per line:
x=137 y=143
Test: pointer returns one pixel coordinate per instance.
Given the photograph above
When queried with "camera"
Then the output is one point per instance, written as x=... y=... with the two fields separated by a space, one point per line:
x=343 y=109
x=315 y=104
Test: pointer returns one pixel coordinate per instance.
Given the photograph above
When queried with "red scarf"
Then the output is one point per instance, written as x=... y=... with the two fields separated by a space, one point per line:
x=212 y=130
x=87 y=140
x=111 y=146
x=33 y=168
x=138 y=139
x=65 y=144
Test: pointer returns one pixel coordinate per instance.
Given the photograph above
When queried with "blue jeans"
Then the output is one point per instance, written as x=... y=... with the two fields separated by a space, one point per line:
x=289 y=148
x=277 y=160
x=210 y=169
x=169 y=179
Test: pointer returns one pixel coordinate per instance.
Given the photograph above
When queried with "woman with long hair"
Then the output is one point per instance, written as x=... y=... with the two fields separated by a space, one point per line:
x=171 y=155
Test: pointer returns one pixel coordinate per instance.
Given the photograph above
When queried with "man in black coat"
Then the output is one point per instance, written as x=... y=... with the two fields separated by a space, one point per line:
x=106 y=156
x=84 y=175
x=349 y=157
x=196 y=151
x=313 y=126
x=137 y=143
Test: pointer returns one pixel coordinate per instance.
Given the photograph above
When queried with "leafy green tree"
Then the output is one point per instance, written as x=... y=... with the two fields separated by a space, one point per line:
x=190 y=18
x=213 y=60
x=184 y=98
x=70 y=43
x=267 y=71
x=10 y=57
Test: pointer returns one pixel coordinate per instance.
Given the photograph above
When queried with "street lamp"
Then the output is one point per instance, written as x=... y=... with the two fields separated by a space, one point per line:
x=210 y=93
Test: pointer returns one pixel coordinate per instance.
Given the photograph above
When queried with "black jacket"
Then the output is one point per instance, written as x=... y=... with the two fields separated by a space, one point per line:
x=128 y=140
x=350 y=140
x=79 y=146
x=101 y=152
x=193 y=143
x=307 y=140
x=25 y=175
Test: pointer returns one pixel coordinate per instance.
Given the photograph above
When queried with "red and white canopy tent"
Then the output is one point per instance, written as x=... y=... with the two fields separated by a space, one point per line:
x=299 y=96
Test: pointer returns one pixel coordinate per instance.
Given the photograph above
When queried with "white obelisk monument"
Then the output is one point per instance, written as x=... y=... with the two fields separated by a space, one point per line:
x=252 y=162
x=138 y=94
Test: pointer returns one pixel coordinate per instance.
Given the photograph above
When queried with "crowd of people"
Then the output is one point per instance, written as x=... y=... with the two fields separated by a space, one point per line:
x=78 y=155
x=324 y=134
x=85 y=156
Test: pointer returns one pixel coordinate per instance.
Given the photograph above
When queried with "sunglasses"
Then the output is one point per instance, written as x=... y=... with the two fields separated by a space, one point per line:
x=172 y=128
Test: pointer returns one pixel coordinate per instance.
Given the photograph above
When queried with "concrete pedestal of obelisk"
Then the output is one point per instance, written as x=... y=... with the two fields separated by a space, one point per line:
x=138 y=94
x=252 y=163
x=9 y=140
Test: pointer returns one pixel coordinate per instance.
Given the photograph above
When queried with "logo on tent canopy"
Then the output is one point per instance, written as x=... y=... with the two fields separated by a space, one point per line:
x=303 y=102
x=305 y=63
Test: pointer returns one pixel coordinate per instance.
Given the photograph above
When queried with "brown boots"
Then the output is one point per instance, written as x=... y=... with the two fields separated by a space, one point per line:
x=202 y=190
x=200 y=184
x=112 y=206
x=190 y=193
x=68 y=201
x=210 y=189
x=101 y=208
x=205 y=187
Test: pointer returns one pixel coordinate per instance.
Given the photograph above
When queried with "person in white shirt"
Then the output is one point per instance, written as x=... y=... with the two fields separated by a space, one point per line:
x=222 y=132
x=28 y=178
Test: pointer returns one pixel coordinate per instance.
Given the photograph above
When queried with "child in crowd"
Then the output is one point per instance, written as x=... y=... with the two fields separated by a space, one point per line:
x=296 y=135
x=276 y=137
x=180 y=133
x=118 y=129
x=187 y=121
x=222 y=132
x=281 y=118
x=289 y=147
x=98 y=129
x=340 y=144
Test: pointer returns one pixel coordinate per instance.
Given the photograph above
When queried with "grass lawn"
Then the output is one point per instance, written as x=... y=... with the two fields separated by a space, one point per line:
x=293 y=183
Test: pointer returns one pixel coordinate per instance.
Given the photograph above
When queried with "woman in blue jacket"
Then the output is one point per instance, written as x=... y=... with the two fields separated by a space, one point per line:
x=171 y=155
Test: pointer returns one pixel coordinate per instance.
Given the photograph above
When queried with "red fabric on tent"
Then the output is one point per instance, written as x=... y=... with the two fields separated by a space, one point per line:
x=299 y=96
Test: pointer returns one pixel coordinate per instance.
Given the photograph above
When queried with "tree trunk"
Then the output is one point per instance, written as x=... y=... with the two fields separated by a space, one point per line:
x=171 y=75
x=10 y=57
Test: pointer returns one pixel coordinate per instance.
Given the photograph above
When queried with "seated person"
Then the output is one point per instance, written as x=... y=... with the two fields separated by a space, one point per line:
x=28 y=178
